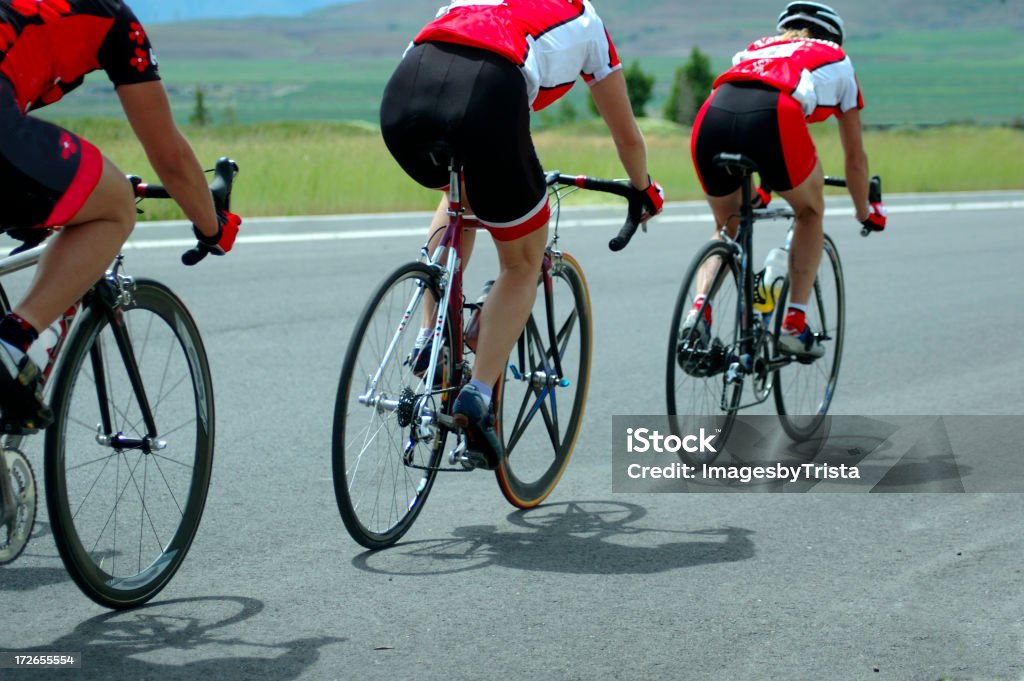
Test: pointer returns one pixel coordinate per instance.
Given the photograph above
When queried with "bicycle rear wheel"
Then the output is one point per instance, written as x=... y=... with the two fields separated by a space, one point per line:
x=698 y=394
x=804 y=391
x=532 y=391
x=387 y=443
x=125 y=507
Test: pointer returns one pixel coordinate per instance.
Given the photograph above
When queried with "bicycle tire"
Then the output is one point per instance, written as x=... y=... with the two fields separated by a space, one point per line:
x=527 y=474
x=381 y=504
x=804 y=392
x=95 y=490
x=698 y=395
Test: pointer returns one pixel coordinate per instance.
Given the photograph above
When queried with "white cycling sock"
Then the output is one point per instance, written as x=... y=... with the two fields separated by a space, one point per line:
x=421 y=339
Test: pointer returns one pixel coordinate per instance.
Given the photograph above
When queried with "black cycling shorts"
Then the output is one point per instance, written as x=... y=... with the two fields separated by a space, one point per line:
x=759 y=122
x=451 y=99
x=46 y=172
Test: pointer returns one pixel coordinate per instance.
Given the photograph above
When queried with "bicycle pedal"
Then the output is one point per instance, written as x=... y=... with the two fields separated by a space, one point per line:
x=457 y=452
x=468 y=459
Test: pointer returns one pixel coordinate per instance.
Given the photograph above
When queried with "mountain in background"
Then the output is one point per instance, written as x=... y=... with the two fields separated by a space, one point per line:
x=163 y=11
x=640 y=28
x=918 y=62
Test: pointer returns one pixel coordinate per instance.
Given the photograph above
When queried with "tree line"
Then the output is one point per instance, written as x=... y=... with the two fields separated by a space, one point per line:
x=691 y=84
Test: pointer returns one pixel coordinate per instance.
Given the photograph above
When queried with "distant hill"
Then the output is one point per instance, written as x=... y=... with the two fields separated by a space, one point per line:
x=918 y=62
x=156 y=11
x=640 y=28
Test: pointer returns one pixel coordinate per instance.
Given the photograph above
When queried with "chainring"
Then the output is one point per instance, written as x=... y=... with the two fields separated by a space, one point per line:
x=15 y=532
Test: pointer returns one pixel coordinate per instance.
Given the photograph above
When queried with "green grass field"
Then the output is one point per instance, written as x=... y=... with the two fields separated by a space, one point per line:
x=921 y=78
x=297 y=168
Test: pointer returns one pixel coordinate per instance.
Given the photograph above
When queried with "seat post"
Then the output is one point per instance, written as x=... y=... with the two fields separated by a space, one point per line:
x=746 y=193
x=454 y=187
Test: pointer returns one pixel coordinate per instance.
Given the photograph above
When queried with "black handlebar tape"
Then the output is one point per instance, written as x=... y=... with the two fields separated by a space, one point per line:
x=625 y=234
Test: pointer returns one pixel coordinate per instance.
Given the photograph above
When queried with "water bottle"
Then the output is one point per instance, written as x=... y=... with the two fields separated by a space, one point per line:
x=770 y=280
x=473 y=327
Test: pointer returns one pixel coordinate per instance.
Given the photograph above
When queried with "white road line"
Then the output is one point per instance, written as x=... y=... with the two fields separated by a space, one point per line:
x=403 y=233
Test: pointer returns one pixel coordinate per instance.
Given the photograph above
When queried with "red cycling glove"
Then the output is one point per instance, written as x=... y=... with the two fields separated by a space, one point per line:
x=877 y=217
x=763 y=198
x=227 y=230
x=653 y=199
x=218 y=244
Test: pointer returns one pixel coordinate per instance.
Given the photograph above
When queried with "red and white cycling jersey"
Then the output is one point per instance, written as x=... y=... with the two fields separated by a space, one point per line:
x=47 y=47
x=816 y=73
x=552 y=41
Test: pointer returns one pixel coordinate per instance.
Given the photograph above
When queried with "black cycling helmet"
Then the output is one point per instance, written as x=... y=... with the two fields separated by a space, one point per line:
x=821 y=19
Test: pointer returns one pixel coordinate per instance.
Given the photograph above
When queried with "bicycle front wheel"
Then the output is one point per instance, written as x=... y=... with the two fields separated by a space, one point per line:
x=387 y=441
x=125 y=502
x=701 y=351
x=532 y=390
x=804 y=391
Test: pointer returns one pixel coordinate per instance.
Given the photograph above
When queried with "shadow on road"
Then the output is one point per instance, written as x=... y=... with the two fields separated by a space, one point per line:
x=195 y=633
x=577 y=537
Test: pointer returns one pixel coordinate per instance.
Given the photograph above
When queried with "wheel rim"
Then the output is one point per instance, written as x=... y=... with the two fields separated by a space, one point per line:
x=127 y=514
x=541 y=412
x=380 y=490
x=804 y=392
x=698 y=394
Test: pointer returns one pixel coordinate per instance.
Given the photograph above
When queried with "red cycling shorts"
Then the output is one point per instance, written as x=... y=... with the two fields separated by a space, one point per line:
x=757 y=121
x=46 y=172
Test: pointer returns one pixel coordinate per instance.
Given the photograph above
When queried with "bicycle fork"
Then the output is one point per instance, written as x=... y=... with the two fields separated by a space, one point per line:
x=110 y=297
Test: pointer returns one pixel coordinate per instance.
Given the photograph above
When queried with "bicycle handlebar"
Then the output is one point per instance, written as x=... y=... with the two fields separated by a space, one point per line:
x=619 y=188
x=874 y=194
x=223 y=177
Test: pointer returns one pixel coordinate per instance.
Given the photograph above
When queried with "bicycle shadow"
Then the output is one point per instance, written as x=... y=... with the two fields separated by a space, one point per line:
x=576 y=537
x=924 y=461
x=194 y=632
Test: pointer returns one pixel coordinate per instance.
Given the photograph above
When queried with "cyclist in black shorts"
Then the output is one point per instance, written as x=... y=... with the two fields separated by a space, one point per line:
x=469 y=80
x=50 y=177
x=761 y=107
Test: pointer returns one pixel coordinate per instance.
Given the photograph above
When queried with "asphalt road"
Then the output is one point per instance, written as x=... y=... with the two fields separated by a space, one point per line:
x=594 y=584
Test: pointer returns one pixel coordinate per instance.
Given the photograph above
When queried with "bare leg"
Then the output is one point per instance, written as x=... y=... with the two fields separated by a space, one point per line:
x=808 y=202
x=78 y=255
x=726 y=210
x=509 y=303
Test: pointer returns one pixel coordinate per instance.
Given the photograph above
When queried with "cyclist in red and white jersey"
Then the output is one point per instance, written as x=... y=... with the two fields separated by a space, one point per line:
x=761 y=108
x=50 y=177
x=469 y=80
